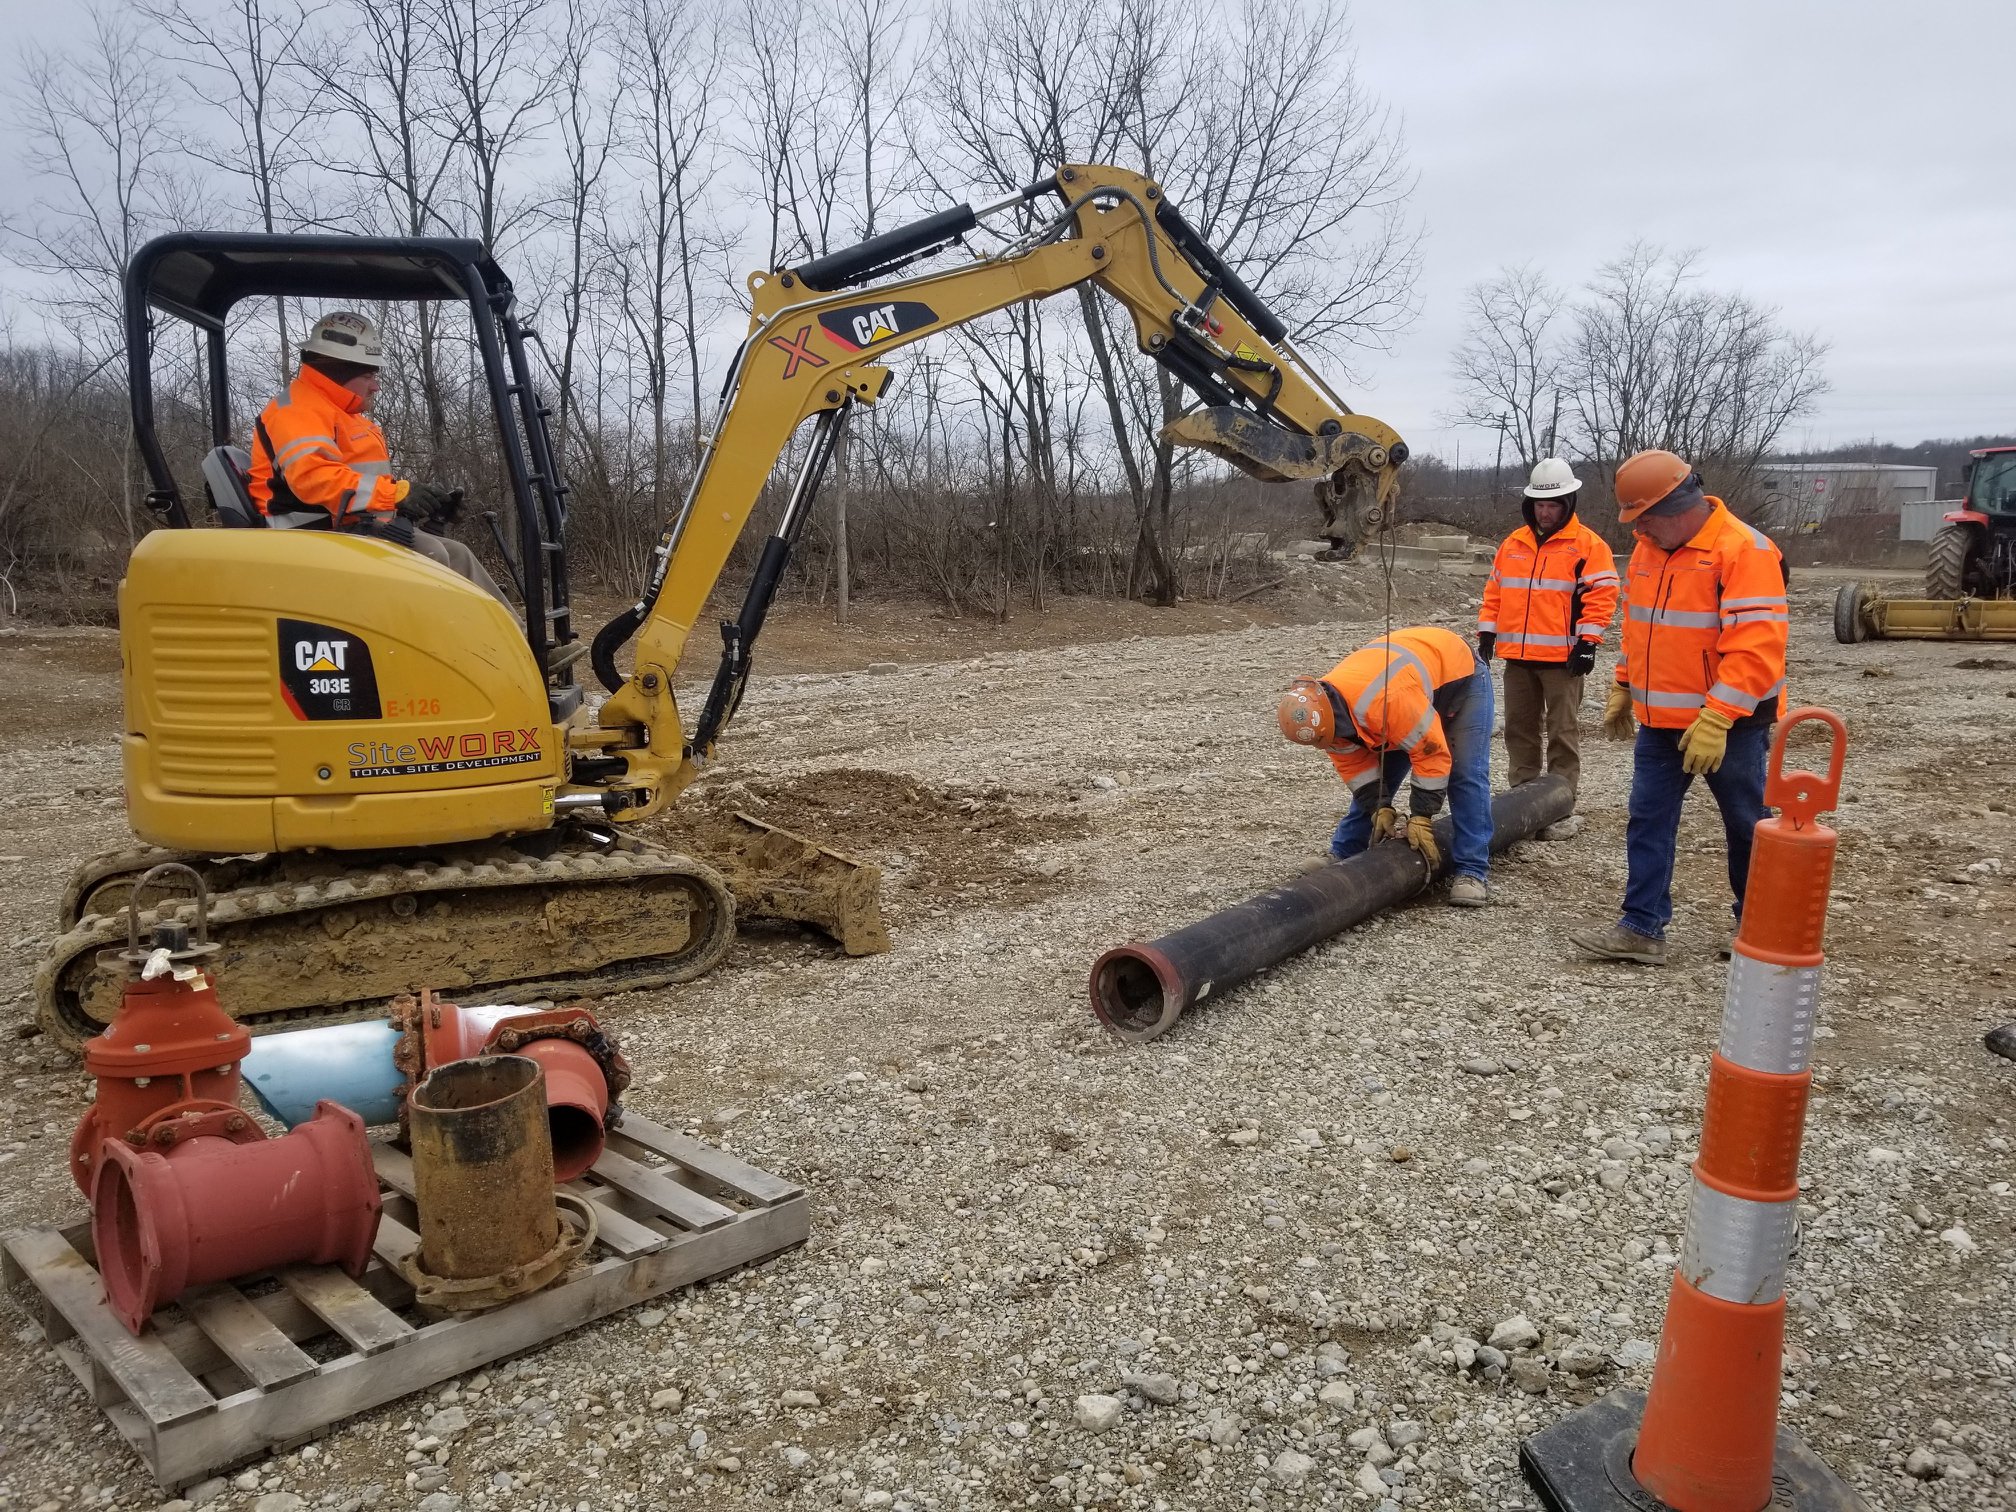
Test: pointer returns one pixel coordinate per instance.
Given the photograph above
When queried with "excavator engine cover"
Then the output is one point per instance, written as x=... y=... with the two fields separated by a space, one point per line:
x=353 y=745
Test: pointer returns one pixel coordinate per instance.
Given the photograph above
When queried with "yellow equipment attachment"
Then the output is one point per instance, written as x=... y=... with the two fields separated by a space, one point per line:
x=1862 y=612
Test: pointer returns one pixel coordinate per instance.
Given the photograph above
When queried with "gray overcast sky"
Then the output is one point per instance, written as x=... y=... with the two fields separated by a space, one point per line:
x=1848 y=162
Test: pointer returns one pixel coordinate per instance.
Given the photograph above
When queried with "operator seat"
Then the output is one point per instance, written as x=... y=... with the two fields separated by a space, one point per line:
x=224 y=473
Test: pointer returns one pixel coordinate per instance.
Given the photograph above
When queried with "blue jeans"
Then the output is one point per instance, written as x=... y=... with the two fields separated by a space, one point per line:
x=1658 y=784
x=1469 y=736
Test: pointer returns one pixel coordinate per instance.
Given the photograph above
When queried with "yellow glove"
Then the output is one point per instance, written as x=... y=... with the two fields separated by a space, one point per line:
x=1421 y=835
x=1385 y=824
x=1618 y=721
x=1703 y=743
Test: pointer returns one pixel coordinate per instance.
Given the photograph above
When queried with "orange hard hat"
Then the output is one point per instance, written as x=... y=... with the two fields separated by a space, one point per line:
x=1308 y=714
x=1645 y=479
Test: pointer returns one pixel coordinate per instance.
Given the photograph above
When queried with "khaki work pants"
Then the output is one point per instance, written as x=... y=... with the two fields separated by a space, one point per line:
x=1541 y=710
x=456 y=557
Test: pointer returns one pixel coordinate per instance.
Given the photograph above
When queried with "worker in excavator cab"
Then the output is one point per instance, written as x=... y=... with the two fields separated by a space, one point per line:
x=1550 y=597
x=319 y=461
x=1701 y=682
x=1415 y=701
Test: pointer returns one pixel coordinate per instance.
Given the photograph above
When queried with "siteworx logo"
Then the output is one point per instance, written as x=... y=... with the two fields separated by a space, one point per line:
x=443 y=753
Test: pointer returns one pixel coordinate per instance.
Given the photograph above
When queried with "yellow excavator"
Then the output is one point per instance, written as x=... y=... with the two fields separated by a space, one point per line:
x=389 y=782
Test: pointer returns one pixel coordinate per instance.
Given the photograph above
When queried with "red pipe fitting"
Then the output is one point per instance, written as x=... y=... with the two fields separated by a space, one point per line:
x=208 y=1202
x=577 y=1102
x=584 y=1072
x=171 y=1049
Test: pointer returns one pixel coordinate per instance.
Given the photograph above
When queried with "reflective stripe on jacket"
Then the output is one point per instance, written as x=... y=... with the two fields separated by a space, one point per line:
x=326 y=454
x=1391 y=689
x=1543 y=596
x=1706 y=625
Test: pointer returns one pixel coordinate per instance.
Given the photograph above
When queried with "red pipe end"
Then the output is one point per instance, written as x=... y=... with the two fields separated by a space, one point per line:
x=1137 y=992
x=577 y=1103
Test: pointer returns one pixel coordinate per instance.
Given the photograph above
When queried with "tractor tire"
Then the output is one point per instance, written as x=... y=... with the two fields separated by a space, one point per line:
x=1946 y=566
x=1849 y=626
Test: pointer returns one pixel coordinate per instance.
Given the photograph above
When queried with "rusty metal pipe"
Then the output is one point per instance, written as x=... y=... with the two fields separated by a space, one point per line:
x=483 y=1184
x=1140 y=990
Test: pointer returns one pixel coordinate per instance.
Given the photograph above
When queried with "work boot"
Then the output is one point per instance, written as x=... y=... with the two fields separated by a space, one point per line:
x=1620 y=944
x=1469 y=892
x=1562 y=829
x=2001 y=1041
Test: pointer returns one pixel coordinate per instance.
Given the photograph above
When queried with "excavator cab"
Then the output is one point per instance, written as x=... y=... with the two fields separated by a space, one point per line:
x=200 y=277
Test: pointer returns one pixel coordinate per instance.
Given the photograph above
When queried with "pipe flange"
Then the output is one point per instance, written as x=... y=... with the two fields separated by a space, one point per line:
x=178 y=1123
x=576 y=1025
x=475 y=1293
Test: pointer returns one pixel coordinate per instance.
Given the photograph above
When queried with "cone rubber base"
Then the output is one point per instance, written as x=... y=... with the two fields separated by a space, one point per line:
x=1583 y=1464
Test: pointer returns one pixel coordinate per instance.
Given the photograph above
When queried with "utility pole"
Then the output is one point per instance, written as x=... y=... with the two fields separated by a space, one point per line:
x=1502 y=422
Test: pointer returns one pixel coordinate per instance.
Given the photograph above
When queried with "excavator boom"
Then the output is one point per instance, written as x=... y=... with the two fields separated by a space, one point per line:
x=817 y=336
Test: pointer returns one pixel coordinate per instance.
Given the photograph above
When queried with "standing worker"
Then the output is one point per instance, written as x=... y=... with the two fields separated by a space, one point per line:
x=1702 y=676
x=319 y=461
x=1418 y=701
x=1551 y=595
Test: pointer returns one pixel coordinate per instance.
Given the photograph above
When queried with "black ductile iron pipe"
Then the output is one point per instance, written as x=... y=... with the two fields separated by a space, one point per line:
x=1139 y=991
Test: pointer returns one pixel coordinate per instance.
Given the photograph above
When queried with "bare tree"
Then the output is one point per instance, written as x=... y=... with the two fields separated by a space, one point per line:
x=379 y=73
x=100 y=132
x=587 y=99
x=1655 y=360
x=250 y=51
x=1508 y=365
x=494 y=58
x=663 y=238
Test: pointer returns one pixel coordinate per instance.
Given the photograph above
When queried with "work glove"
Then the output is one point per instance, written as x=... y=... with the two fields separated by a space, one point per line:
x=1486 y=639
x=1582 y=660
x=1704 y=743
x=1385 y=823
x=1618 y=721
x=426 y=501
x=1421 y=835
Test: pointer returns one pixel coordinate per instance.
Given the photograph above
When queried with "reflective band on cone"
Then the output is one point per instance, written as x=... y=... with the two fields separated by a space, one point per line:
x=1736 y=1249
x=1707 y=1439
x=1767 y=1020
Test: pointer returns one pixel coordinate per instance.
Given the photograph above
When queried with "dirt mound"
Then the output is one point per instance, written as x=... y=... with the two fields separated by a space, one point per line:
x=978 y=846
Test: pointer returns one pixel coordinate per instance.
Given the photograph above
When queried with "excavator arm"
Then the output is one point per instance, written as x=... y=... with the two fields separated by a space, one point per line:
x=817 y=334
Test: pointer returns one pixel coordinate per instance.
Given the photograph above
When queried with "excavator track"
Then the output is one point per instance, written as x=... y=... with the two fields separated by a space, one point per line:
x=327 y=936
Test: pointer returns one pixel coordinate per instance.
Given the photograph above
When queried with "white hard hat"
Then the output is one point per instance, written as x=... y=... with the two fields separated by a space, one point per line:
x=1552 y=479
x=347 y=337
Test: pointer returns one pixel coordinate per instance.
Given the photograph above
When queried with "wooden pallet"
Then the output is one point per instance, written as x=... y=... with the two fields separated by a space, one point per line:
x=236 y=1371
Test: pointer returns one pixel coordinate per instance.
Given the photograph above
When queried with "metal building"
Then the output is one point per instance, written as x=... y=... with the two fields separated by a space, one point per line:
x=1798 y=496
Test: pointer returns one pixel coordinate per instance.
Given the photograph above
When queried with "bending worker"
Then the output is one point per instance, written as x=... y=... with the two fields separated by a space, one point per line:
x=1551 y=595
x=319 y=461
x=1702 y=680
x=1417 y=701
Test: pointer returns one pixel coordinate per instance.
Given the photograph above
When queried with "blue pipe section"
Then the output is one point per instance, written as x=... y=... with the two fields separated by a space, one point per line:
x=347 y=1063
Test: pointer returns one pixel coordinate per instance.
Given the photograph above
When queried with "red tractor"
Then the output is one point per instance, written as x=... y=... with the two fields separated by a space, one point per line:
x=1974 y=553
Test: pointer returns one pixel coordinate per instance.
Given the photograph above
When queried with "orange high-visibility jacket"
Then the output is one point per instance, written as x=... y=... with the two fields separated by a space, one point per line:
x=1706 y=625
x=314 y=451
x=1390 y=689
x=1543 y=596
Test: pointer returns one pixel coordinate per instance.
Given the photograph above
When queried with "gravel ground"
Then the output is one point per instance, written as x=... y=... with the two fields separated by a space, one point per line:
x=1341 y=1239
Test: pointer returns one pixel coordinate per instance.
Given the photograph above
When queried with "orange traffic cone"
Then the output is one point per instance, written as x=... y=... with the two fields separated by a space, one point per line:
x=1706 y=1438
